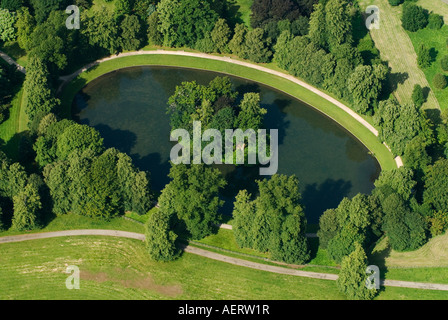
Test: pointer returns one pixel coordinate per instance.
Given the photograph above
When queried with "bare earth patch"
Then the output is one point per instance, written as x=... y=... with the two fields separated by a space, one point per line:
x=130 y=281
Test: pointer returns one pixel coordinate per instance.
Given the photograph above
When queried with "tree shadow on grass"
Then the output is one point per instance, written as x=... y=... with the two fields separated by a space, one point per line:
x=396 y=79
x=433 y=53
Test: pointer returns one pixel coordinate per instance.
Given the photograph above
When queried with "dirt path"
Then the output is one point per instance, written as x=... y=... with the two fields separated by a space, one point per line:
x=215 y=256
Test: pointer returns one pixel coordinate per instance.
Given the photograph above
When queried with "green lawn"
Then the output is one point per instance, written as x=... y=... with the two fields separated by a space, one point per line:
x=396 y=48
x=244 y=9
x=435 y=39
x=114 y=268
x=77 y=222
x=384 y=157
x=10 y=129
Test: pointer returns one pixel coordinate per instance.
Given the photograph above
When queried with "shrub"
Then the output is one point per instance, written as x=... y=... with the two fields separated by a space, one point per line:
x=444 y=63
x=414 y=17
x=440 y=81
x=395 y=2
x=423 y=57
x=417 y=96
x=435 y=21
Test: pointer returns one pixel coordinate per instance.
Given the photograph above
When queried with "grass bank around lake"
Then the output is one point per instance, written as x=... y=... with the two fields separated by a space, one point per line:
x=383 y=155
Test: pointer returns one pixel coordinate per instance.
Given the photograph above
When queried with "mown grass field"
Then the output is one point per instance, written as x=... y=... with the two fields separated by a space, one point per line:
x=396 y=47
x=113 y=268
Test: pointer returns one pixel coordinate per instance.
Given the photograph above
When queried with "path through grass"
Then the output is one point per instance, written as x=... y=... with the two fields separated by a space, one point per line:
x=114 y=268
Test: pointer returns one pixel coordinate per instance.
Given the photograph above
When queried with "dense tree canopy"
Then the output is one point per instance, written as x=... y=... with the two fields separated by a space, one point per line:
x=39 y=95
x=265 y=11
x=274 y=221
x=160 y=239
x=400 y=124
x=193 y=197
x=436 y=186
x=365 y=85
x=183 y=23
x=7 y=29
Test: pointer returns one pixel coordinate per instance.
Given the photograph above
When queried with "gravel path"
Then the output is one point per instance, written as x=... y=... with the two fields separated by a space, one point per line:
x=215 y=256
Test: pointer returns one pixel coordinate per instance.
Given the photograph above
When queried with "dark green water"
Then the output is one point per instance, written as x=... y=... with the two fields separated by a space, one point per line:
x=128 y=108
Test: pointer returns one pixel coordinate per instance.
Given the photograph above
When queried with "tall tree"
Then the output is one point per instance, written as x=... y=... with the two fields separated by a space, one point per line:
x=193 y=196
x=25 y=25
x=101 y=30
x=414 y=17
x=155 y=37
x=243 y=217
x=237 y=44
x=352 y=278
x=338 y=23
x=221 y=36
x=436 y=186
x=80 y=138
x=365 y=85
x=183 y=23
x=317 y=31
x=130 y=33
x=7 y=22
x=51 y=42
x=39 y=96
x=257 y=46
x=265 y=11
x=160 y=238
x=26 y=206
x=277 y=218
x=398 y=125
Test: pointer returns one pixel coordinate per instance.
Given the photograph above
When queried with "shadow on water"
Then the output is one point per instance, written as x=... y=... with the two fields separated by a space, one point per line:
x=158 y=170
x=123 y=140
x=276 y=118
x=319 y=198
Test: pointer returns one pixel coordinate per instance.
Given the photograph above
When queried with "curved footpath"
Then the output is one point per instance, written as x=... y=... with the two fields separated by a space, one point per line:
x=353 y=114
x=215 y=256
x=11 y=61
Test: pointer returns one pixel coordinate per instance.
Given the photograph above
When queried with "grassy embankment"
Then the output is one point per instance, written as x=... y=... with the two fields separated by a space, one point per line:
x=384 y=157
